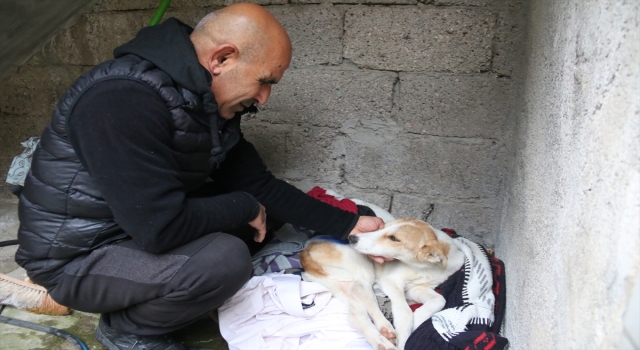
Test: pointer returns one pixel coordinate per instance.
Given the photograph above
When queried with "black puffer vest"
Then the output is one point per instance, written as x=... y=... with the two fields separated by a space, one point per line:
x=62 y=213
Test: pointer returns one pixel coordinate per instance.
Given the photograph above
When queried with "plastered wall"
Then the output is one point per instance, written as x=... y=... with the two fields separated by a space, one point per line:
x=398 y=102
x=570 y=233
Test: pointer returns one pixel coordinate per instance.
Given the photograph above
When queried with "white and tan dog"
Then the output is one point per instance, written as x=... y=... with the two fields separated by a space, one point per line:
x=424 y=258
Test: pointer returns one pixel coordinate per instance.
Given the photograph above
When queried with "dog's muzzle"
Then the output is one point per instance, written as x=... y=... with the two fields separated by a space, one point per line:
x=353 y=239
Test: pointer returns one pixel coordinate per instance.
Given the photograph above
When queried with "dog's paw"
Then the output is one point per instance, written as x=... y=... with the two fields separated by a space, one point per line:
x=384 y=344
x=390 y=334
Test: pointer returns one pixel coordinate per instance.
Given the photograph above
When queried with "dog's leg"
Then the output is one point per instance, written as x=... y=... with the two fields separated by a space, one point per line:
x=402 y=314
x=368 y=300
x=431 y=301
x=351 y=294
x=357 y=299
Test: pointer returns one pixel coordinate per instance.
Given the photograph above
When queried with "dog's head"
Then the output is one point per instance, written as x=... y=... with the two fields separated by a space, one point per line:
x=409 y=240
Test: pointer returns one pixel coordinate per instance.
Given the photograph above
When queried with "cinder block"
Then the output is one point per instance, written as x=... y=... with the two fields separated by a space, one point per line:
x=452 y=105
x=508 y=41
x=124 y=5
x=9 y=224
x=16 y=129
x=259 y=2
x=34 y=90
x=408 y=38
x=315 y=33
x=380 y=2
x=329 y=97
x=189 y=15
x=270 y=142
x=93 y=38
x=382 y=200
x=13 y=130
x=408 y=206
x=463 y=2
x=313 y=154
x=6 y=157
x=434 y=166
x=478 y=3
x=476 y=222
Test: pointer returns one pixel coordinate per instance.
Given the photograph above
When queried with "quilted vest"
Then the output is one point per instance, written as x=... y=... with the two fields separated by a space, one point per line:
x=62 y=212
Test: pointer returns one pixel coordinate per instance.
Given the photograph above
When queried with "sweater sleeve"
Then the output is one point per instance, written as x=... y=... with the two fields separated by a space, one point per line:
x=121 y=131
x=244 y=170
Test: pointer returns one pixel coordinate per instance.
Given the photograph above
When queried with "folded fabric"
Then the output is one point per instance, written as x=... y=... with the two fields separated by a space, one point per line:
x=282 y=251
x=280 y=311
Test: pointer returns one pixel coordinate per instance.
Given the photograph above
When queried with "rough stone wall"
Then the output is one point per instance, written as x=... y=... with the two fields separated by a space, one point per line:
x=26 y=24
x=571 y=229
x=399 y=102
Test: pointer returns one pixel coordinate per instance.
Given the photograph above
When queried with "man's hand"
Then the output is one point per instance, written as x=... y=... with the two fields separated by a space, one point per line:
x=368 y=224
x=260 y=224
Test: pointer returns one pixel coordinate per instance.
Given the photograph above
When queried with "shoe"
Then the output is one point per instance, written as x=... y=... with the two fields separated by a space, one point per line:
x=114 y=340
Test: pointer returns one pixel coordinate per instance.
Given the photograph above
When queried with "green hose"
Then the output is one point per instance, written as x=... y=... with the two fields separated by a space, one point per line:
x=164 y=4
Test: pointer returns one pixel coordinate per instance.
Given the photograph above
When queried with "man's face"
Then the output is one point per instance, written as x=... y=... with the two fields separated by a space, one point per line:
x=247 y=83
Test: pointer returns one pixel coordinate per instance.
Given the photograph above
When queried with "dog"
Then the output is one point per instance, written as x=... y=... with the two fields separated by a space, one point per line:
x=424 y=257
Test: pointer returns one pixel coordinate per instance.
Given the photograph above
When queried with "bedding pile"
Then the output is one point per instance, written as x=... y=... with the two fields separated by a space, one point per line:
x=277 y=310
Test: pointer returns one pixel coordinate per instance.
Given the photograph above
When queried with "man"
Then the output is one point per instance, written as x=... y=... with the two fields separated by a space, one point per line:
x=118 y=215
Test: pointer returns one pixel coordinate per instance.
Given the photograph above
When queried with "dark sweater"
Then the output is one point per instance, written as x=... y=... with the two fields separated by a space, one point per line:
x=122 y=139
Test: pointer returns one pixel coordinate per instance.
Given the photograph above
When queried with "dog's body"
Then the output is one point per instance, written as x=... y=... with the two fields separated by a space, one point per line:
x=425 y=258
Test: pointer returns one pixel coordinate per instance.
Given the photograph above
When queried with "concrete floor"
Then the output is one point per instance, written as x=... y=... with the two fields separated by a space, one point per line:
x=203 y=334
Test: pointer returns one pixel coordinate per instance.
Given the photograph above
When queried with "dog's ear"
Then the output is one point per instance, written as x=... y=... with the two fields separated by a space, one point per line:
x=434 y=252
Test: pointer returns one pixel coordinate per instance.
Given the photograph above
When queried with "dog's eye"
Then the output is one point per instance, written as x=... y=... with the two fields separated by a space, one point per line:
x=393 y=238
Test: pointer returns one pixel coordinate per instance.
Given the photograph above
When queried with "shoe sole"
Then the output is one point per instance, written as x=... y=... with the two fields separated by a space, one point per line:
x=102 y=339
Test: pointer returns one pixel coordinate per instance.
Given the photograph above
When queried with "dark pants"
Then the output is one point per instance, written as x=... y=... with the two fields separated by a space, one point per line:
x=150 y=294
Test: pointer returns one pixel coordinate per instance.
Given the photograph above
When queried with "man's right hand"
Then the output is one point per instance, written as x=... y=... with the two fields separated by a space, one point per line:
x=260 y=224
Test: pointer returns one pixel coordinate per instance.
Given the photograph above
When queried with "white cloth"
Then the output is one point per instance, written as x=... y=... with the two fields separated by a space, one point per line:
x=268 y=313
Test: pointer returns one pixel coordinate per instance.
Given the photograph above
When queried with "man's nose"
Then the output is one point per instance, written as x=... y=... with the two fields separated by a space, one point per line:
x=263 y=94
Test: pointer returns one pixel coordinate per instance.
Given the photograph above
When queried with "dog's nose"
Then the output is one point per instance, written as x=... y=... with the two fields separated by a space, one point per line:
x=353 y=239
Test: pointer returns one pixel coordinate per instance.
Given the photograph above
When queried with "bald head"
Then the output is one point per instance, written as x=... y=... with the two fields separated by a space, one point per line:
x=250 y=27
x=246 y=51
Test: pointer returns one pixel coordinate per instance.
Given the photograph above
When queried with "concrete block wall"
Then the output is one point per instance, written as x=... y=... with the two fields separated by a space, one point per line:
x=402 y=103
x=431 y=109
x=399 y=103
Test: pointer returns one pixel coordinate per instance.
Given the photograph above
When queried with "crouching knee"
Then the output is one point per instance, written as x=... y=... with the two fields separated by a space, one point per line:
x=219 y=269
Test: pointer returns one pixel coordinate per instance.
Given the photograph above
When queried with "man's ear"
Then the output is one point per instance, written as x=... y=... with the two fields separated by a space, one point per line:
x=434 y=253
x=222 y=57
